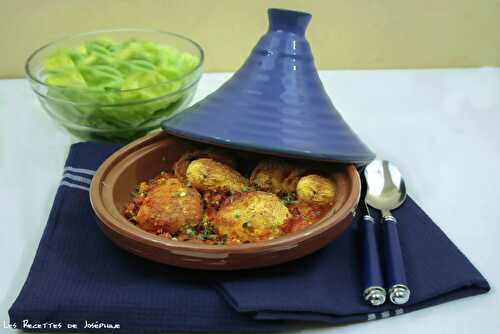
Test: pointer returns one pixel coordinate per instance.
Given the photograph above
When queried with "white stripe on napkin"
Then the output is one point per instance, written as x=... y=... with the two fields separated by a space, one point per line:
x=77 y=178
x=399 y=311
x=385 y=314
x=76 y=186
x=79 y=170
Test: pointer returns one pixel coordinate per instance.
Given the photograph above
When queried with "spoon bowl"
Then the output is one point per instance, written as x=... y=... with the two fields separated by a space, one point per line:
x=386 y=187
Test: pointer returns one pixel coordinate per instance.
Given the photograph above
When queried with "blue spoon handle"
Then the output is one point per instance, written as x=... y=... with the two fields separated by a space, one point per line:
x=399 y=293
x=374 y=292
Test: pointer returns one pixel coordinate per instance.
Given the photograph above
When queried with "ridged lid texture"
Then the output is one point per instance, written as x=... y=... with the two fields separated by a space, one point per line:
x=275 y=103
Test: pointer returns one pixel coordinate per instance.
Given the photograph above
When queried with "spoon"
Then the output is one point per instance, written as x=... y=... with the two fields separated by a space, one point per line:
x=386 y=191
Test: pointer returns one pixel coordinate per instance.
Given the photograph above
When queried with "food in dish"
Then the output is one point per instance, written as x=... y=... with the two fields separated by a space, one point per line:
x=181 y=165
x=315 y=189
x=276 y=176
x=204 y=198
x=209 y=175
x=251 y=217
x=166 y=205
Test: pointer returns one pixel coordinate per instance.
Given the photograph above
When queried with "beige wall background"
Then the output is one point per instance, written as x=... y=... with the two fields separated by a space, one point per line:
x=344 y=34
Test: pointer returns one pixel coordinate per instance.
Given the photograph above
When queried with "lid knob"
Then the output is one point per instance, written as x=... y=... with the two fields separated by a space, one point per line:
x=288 y=21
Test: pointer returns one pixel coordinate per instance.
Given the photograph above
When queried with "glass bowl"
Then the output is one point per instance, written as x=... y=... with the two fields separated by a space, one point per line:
x=115 y=115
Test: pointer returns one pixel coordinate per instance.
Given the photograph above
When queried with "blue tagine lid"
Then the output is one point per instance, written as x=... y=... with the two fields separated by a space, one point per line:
x=275 y=103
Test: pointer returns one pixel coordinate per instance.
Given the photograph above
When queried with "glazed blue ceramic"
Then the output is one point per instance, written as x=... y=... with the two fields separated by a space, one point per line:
x=275 y=103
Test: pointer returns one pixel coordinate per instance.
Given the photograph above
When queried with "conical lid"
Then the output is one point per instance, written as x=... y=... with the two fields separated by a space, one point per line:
x=275 y=103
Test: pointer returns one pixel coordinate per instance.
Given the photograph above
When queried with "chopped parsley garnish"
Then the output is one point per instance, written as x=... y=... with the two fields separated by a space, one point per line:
x=189 y=232
x=136 y=191
x=288 y=199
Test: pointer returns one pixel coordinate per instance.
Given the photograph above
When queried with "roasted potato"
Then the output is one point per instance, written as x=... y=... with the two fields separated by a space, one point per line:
x=251 y=216
x=210 y=175
x=169 y=206
x=204 y=198
x=219 y=155
x=315 y=189
x=276 y=176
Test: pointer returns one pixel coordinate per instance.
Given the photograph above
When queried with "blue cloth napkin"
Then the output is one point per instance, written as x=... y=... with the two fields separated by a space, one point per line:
x=81 y=278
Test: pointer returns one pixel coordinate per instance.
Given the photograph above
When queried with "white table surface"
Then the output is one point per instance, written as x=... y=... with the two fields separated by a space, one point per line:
x=440 y=126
